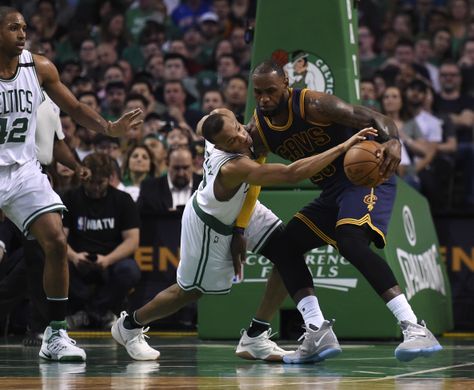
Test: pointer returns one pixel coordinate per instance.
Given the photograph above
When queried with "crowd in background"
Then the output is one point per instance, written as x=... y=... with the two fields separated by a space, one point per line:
x=178 y=60
x=417 y=67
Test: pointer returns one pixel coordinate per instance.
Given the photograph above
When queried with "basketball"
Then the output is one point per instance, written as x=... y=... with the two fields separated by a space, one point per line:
x=361 y=164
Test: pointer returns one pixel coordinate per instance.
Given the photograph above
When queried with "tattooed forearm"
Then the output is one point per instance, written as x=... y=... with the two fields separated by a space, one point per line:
x=386 y=126
x=332 y=109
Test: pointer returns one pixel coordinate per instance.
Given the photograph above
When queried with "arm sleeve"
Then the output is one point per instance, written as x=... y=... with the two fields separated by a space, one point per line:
x=249 y=203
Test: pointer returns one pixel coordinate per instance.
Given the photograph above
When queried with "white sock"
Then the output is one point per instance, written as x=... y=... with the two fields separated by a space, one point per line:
x=310 y=310
x=401 y=309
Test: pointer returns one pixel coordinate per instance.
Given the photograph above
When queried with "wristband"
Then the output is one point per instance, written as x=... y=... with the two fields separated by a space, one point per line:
x=238 y=230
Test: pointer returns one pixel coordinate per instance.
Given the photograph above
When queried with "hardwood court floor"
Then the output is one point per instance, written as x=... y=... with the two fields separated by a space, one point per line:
x=188 y=363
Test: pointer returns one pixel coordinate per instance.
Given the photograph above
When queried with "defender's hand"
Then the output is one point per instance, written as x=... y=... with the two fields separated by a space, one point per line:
x=126 y=121
x=358 y=137
x=390 y=151
x=238 y=249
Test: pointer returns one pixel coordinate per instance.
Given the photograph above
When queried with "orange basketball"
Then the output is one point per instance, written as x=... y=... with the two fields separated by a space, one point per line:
x=361 y=164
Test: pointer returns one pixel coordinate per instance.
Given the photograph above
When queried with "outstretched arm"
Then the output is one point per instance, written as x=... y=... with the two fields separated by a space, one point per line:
x=246 y=170
x=324 y=108
x=81 y=113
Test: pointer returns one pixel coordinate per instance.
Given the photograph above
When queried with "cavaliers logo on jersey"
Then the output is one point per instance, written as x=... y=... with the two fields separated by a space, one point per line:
x=370 y=200
x=305 y=70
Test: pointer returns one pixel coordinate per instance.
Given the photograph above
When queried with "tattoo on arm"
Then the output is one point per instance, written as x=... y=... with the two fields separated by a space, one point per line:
x=332 y=109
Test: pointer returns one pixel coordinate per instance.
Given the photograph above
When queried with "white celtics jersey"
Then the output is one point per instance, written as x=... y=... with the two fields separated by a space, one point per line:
x=226 y=211
x=20 y=97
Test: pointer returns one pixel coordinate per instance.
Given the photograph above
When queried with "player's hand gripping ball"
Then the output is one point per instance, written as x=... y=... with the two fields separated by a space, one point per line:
x=362 y=163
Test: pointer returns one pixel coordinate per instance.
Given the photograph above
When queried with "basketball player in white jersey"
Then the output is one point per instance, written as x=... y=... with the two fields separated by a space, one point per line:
x=206 y=265
x=26 y=196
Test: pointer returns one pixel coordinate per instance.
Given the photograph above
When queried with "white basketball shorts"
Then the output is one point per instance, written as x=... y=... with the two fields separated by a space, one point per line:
x=25 y=194
x=206 y=261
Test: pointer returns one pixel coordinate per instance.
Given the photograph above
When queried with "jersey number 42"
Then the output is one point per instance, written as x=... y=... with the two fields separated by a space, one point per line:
x=16 y=134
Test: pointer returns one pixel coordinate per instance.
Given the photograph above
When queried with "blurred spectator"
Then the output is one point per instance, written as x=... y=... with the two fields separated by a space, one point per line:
x=441 y=46
x=212 y=99
x=85 y=142
x=222 y=9
x=112 y=31
x=438 y=134
x=69 y=129
x=162 y=195
x=155 y=66
x=82 y=85
x=404 y=59
x=175 y=100
x=241 y=9
x=369 y=59
x=178 y=137
x=235 y=95
x=452 y=103
x=240 y=48
x=113 y=73
x=152 y=124
x=368 y=96
x=106 y=55
x=137 y=166
x=402 y=24
x=175 y=69
x=46 y=9
x=466 y=63
x=193 y=40
x=177 y=46
x=143 y=11
x=208 y=77
x=101 y=224
x=68 y=71
x=142 y=86
x=437 y=19
x=152 y=33
x=156 y=144
x=380 y=84
x=459 y=13
x=388 y=42
x=188 y=12
x=422 y=56
x=114 y=100
x=421 y=15
x=108 y=145
x=227 y=67
x=63 y=178
x=127 y=71
x=133 y=136
x=89 y=59
x=48 y=49
x=90 y=99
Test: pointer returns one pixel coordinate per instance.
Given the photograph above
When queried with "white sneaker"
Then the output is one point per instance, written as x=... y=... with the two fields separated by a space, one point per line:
x=417 y=341
x=318 y=344
x=260 y=347
x=133 y=340
x=57 y=345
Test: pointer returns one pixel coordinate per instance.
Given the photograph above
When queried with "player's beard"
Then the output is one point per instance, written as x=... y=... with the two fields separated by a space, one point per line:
x=278 y=109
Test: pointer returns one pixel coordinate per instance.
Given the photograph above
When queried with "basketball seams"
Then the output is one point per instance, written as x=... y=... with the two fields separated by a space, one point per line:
x=363 y=170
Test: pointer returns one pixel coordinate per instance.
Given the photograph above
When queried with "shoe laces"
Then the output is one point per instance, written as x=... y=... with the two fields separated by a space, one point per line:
x=413 y=332
x=59 y=340
x=141 y=336
x=306 y=332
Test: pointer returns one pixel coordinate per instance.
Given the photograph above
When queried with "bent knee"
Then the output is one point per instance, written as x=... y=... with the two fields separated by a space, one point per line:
x=190 y=295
